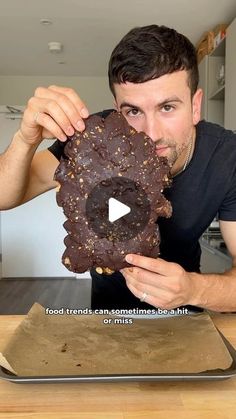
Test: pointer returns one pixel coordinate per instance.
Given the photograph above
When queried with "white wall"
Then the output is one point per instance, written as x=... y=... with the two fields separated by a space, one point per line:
x=7 y=129
x=94 y=91
x=32 y=235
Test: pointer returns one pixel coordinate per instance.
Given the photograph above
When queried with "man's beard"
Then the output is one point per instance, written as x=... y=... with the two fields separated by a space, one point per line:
x=175 y=150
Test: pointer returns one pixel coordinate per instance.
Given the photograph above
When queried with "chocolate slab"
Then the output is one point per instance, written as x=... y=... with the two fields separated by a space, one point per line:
x=106 y=151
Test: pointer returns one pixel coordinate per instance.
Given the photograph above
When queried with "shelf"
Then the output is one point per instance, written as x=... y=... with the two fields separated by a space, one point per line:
x=219 y=102
x=219 y=51
x=218 y=94
x=219 y=251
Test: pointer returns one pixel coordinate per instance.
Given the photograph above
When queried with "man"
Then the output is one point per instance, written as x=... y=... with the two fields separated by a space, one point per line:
x=153 y=76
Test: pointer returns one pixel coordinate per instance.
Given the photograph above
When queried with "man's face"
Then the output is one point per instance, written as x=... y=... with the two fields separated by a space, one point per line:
x=163 y=109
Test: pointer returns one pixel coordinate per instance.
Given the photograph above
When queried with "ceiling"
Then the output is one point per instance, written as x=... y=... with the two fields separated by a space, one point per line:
x=89 y=30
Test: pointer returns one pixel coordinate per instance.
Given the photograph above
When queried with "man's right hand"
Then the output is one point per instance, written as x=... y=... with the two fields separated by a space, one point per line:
x=53 y=112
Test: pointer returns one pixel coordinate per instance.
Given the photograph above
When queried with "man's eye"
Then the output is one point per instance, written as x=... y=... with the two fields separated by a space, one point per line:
x=168 y=108
x=132 y=112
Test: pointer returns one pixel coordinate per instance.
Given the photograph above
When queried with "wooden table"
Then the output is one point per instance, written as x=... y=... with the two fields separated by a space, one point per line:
x=175 y=400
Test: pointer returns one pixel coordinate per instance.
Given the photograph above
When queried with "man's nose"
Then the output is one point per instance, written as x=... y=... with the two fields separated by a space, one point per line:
x=153 y=129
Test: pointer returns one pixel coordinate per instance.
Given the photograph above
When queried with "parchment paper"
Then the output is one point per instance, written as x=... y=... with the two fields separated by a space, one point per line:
x=52 y=345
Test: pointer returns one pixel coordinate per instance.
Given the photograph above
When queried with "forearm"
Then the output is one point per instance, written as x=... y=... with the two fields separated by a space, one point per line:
x=215 y=292
x=14 y=171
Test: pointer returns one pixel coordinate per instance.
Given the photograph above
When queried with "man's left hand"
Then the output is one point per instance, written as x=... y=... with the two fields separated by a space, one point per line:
x=165 y=284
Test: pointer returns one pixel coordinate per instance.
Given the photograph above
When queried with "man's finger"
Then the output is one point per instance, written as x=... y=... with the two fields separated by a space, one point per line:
x=143 y=276
x=159 y=265
x=50 y=99
x=75 y=99
x=154 y=297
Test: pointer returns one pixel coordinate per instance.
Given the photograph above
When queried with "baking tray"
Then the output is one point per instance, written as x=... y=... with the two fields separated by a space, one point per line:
x=203 y=376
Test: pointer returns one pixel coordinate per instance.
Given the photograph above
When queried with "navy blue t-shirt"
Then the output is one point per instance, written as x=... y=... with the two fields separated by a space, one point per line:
x=206 y=188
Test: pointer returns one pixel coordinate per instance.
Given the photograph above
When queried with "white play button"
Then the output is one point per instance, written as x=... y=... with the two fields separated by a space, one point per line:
x=116 y=210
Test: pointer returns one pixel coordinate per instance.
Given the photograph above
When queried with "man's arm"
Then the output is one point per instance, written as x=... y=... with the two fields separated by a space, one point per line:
x=23 y=174
x=167 y=285
x=54 y=112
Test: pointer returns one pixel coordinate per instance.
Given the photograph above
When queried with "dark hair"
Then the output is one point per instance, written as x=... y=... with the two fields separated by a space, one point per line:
x=149 y=52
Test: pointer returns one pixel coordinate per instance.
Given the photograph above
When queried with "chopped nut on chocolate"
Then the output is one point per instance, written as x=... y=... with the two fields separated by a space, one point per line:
x=110 y=149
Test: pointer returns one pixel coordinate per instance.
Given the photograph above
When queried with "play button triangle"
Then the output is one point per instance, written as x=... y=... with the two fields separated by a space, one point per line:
x=116 y=210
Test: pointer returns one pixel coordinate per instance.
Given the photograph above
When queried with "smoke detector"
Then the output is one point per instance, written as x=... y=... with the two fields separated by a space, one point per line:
x=46 y=22
x=55 y=47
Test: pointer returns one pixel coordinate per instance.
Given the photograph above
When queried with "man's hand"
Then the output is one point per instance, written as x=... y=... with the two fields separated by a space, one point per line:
x=53 y=112
x=166 y=284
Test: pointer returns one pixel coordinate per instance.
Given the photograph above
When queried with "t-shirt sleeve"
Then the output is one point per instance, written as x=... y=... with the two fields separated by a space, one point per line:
x=227 y=210
x=57 y=149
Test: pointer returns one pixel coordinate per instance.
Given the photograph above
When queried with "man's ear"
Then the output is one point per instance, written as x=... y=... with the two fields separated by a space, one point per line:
x=196 y=105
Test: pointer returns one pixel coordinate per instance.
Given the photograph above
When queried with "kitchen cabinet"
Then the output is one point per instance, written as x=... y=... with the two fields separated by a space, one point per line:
x=217 y=79
x=230 y=84
x=214 y=260
x=213 y=99
x=203 y=83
